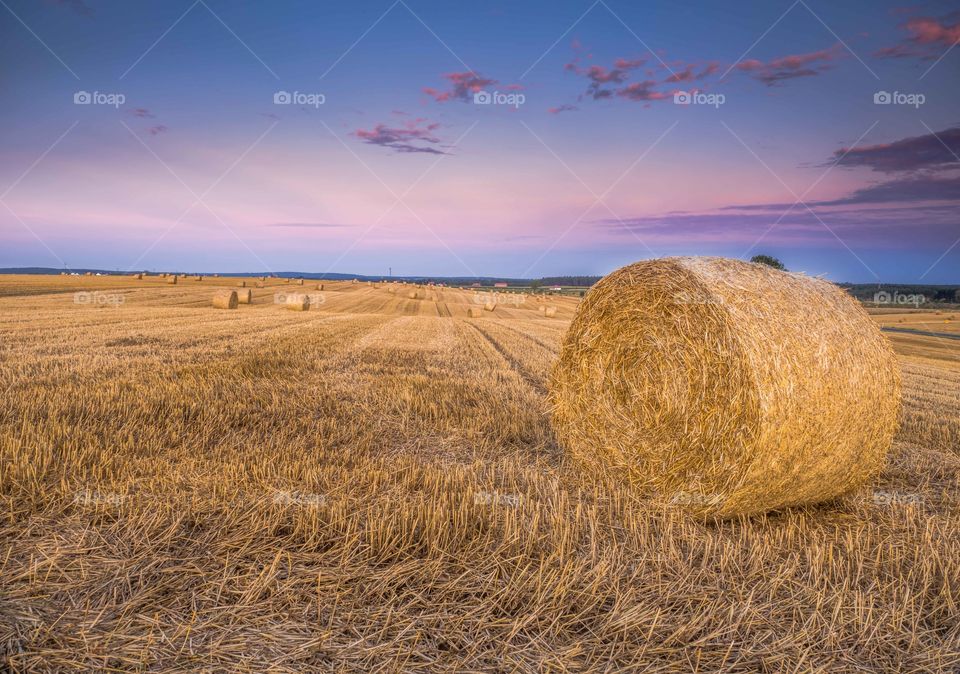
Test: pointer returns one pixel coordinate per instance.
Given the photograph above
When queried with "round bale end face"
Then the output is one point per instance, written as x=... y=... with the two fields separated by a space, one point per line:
x=298 y=302
x=225 y=299
x=725 y=387
x=245 y=296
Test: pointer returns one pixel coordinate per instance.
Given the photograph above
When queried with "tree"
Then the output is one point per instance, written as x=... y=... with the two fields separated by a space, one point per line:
x=770 y=261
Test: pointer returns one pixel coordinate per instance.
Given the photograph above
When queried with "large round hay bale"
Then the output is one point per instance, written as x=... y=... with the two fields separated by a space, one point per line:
x=489 y=306
x=725 y=386
x=245 y=296
x=298 y=302
x=172 y=280
x=225 y=299
x=413 y=294
x=474 y=312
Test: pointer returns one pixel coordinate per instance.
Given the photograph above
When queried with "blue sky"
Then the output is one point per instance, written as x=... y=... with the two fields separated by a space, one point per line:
x=590 y=163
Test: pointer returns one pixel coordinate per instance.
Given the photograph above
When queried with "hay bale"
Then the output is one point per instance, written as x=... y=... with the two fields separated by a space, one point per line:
x=413 y=294
x=138 y=276
x=225 y=299
x=319 y=286
x=724 y=386
x=489 y=306
x=245 y=296
x=299 y=281
x=261 y=284
x=243 y=284
x=172 y=280
x=548 y=312
x=298 y=302
x=474 y=312
x=198 y=278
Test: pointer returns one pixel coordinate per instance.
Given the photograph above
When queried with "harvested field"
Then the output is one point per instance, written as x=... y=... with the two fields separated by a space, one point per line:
x=374 y=485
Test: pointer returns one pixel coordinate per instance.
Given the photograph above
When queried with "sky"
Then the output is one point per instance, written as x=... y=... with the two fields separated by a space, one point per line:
x=517 y=139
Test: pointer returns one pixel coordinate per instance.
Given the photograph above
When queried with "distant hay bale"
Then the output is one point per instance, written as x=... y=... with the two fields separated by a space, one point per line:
x=225 y=299
x=299 y=281
x=261 y=284
x=243 y=284
x=724 y=386
x=138 y=276
x=489 y=306
x=549 y=312
x=172 y=280
x=89 y=273
x=298 y=302
x=197 y=278
x=319 y=286
x=413 y=294
x=245 y=296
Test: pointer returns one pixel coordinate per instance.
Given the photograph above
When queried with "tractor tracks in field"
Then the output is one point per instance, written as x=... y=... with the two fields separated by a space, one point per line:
x=529 y=377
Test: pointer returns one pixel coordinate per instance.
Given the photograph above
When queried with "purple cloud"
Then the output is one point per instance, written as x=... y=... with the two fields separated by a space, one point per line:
x=929 y=37
x=462 y=87
x=790 y=67
x=402 y=139
x=931 y=151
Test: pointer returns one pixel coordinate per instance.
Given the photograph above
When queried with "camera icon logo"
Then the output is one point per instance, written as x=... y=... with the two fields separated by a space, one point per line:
x=82 y=98
x=682 y=98
x=882 y=98
x=282 y=98
x=882 y=297
x=482 y=98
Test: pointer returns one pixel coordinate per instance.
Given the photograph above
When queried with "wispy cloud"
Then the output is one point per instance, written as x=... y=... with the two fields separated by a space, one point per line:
x=460 y=87
x=930 y=151
x=928 y=37
x=775 y=72
x=408 y=138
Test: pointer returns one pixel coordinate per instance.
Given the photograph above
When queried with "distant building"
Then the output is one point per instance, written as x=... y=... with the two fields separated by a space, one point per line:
x=499 y=284
x=556 y=289
x=474 y=285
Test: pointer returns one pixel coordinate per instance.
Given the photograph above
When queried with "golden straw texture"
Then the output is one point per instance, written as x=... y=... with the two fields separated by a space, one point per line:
x=298 y=302
x=725 y=386
x=225 y=299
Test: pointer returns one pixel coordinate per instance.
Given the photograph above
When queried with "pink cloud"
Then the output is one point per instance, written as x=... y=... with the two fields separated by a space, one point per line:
x=790 y=67
x=462 y=87
x=928 y=37
x=406 y=139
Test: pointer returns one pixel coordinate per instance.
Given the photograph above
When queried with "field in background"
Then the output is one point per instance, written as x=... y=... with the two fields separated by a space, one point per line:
x=374 y=485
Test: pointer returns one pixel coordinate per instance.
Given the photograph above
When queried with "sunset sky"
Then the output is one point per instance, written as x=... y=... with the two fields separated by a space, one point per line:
x=587 y=161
